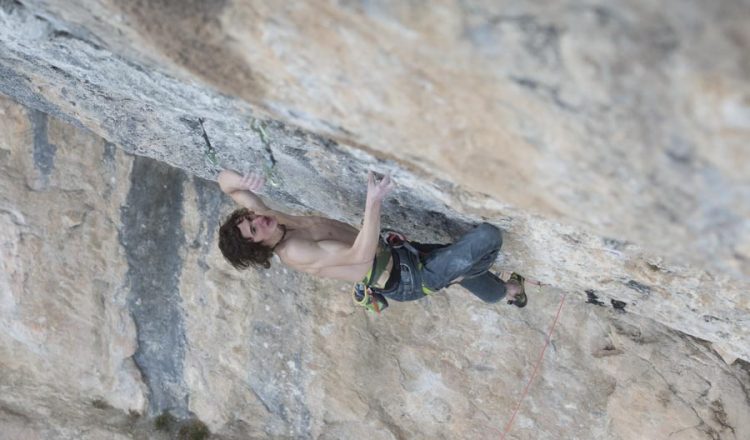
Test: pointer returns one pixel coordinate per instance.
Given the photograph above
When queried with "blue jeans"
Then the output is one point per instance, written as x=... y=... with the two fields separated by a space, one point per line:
x=438 y=266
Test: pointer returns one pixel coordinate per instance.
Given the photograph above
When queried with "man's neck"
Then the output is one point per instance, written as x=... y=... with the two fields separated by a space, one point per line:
x=277 y=236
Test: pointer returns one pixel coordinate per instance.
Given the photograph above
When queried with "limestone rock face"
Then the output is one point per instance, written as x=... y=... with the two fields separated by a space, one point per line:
x=67 y=335
x=650 y=217
x=628 y=119
x=609 y=141
x=117 y=306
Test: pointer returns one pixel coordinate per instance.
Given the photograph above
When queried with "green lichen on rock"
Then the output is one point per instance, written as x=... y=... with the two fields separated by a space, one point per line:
x=164 y=422
x=193 y=430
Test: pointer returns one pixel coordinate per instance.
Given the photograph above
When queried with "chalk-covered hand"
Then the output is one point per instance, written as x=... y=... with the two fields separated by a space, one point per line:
x=378 y=189
x=252 y=182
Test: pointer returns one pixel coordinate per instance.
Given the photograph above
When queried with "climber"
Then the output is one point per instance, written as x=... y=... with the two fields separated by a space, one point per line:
x=323 y=247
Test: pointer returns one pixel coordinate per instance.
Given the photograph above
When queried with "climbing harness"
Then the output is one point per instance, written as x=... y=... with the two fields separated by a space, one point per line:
x=369 y=299
x=364 y=294
x=536 y=367
x=399 y=242
x=393 y=246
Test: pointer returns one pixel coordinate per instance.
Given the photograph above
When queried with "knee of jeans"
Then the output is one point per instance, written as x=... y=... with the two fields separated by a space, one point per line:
x=491 y=235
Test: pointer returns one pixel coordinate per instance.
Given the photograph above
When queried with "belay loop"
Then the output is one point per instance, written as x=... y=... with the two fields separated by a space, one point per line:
x=394 y=239
x=398 y=240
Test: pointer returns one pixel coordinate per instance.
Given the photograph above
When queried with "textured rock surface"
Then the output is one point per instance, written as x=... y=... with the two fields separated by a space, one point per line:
x=608 y=140
x=106 y=324
x=647 y=172
x=627 y=118
x=66 y=333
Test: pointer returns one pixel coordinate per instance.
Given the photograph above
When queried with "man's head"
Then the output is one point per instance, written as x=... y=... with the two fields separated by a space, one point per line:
x=243 y=239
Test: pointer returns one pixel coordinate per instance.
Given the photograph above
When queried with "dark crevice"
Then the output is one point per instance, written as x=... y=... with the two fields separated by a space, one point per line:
x=638 y=287
x=10 y=6
x=618 y=305
x=64 y=34
x=720 y=416
x=152 y=237
x=592 y=298
x=545 y=90
x=44 y=151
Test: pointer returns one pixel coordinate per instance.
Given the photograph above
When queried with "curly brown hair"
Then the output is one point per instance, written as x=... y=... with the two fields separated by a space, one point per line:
x=238 y=250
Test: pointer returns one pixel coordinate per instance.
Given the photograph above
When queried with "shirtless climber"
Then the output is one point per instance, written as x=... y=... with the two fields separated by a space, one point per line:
x=332 y=249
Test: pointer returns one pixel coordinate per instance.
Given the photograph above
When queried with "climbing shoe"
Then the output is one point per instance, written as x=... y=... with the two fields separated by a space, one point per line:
x=520 y=299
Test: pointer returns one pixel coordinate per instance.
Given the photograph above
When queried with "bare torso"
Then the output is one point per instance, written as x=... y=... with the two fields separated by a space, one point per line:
x=331 y=235
x=315 y=245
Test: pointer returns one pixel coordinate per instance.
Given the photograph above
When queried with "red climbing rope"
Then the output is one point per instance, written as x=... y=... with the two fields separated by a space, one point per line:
x=536 y=368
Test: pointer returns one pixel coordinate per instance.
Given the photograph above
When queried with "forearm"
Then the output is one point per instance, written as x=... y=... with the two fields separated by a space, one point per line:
x=230 y=181
x=366 y=243
x=231 y=184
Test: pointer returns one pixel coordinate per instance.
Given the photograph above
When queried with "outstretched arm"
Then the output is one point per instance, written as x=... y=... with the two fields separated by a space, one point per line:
x=242 y=189
x=366 y=243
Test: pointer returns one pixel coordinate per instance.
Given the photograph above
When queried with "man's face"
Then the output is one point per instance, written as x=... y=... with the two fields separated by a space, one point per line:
x=257 y=228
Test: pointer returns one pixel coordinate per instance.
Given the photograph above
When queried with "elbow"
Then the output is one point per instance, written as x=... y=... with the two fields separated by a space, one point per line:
x=224 y=177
